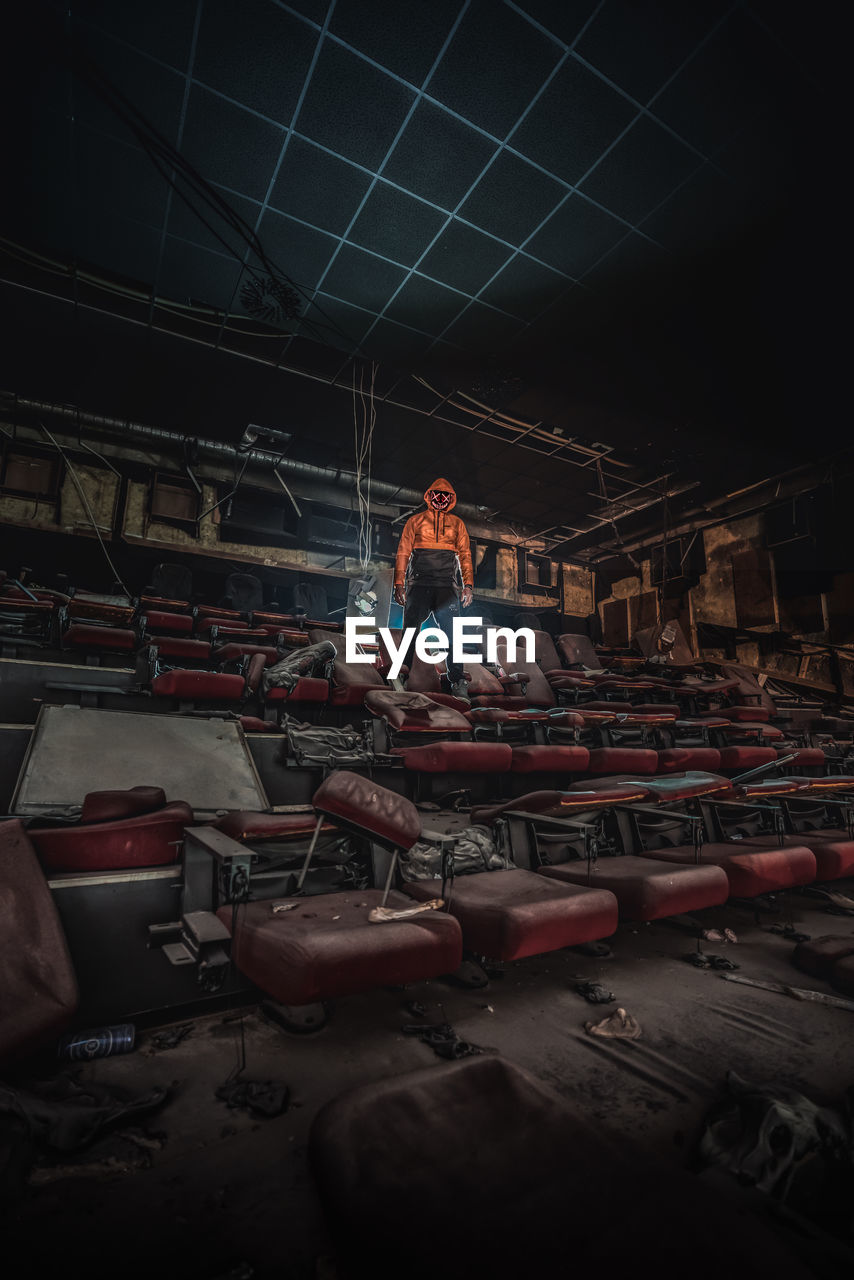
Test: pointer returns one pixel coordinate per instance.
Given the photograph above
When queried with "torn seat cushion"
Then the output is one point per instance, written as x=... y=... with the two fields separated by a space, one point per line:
x=415 y=712
x=749 y=871
x=233 y=652
x=107 y=806
x=326 y=947
x=550 y=759
x=645 y=889
x=147 y=840
x=506 y=915
x=213 y=686
x=457 y=757
x=360 y=805
x=39 y=986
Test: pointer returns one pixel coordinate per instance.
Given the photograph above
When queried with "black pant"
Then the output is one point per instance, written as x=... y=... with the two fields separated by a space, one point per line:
x=444 y=604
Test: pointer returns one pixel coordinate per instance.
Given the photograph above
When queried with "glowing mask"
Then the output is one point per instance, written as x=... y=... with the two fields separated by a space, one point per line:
x=440 y=499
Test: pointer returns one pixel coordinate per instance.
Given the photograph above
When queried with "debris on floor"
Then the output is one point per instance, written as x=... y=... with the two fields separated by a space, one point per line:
x=262 y=1097
x=598 y=950
x=173 y=1036
x=442 y=1039
x=64 y=1113
x=594 y=992
x=702 y=960
x=619 y=1025
x=789 y=932
x=797 y=993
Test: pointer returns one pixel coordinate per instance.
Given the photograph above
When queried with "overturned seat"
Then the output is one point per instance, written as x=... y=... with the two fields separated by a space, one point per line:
x=408 y=717
x=116 y=830
x=40 y=993
x=325 y=946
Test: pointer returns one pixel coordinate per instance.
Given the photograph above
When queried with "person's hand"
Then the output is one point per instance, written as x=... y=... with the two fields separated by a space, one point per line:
x=399 y=596
x=466 y=597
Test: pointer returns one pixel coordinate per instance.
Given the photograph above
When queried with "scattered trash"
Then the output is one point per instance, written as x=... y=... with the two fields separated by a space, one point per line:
x=790 y=932
x=380 y=915
x=416 y=1009
x=618 y=1026
x=700 y=960
x=278 y=907
x=169 y=1039
x=64 y=1114
x=594 y=992
x=600 y=950
x=442 y=1039
x=469 y=975
x=488 y=1008
x=261 y=1097
x=718 y=935
x=103 y=1042
x=797 y=993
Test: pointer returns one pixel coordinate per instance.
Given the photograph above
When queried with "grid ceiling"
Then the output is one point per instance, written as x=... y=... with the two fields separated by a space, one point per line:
x=441 y=180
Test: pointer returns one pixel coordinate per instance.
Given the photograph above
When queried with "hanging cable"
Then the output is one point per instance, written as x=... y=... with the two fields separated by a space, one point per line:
x=363 y=433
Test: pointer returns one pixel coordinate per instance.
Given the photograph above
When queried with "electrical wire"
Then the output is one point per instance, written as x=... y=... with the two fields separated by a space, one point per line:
x=363 y=436
x=85 y=502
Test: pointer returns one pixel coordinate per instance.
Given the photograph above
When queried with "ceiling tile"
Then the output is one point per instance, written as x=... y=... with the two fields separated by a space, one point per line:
x=576 y=118
x=395 y=225
x=524 y=288
x=162 y=28
x=255 y=53
x=229 y=145
x=113 y=176
x=189 y=274
x=512 y=199
x=186 y=224
x=563 y=18
x=493 y=67
x=300 y=252
x=644 y=167
x=464 y=257
x=426 y=305
x=352 y=108
x=576 y=235
x=362 y=278
x=481 y=328
x=156 y=92
x=438 y=157
x=317 y=187
x=403 y=35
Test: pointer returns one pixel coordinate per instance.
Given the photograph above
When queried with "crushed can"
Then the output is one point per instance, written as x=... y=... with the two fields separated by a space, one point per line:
x=103 y=1042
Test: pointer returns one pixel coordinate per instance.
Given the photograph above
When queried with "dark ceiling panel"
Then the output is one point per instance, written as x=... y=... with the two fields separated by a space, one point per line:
x=404 y=35
x=482 y=328
x=300 y=252
x=362 y=278
x=118 y=177
x=229 y=145
x=395 y=225
x=576 y=235
x=438 y=157
x=493 y=46
x=524 y=288
x=492 y=208
x=162 y=28
x=327 y=116
x=640 y=171
x=426 y=305
x=154 y=90
x=464 y=256
x=186 y=224
x=317 y=187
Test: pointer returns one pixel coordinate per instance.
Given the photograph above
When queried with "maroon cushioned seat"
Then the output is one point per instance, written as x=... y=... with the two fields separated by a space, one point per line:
x=163 y=603
x=833 y=850
x=243 y=824
x=763 y=787
x=253 y=724
x=608 y=708
x=682 y=786
x=804 y=757
x=828 y=782
x=361 y=805
x=415 y=712
x=750 y=872
x=592 y=793
x=204 y=624
x=658 y=708
x=281 y=621
x=209 y=685
x=679 y=759
x=351 y=695
x=740 y=759
x=550 y=759
x=457 y=757
x=326 y=947
x=505 y=701
x=506 y=915
x=622 y=760
x=108 y=806
x=158 y=620
x=39 y=989
x=80 y=635
x=645 y=889
x=234 y=651
x=290 y=638
x=306 y=689
x=817 y=956
x=753 y=715
x=147 y=840
x=180 y=647
x=505 y=715
x=767 y=732
x=448 y=700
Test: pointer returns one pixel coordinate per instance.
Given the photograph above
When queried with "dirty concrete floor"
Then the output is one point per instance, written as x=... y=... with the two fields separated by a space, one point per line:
x=223 y=1189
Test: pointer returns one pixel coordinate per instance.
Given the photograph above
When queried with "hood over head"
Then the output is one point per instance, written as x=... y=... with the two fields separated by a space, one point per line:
x=446 y=487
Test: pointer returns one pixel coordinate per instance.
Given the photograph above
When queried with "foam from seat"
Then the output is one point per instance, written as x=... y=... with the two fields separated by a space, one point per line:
x=592 y=793
x=683 y=786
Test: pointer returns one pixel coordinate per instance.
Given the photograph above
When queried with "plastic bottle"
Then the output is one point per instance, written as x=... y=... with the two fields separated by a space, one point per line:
x=102 y=1042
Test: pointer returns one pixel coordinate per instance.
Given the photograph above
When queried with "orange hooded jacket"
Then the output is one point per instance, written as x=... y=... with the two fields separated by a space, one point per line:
x=434 y=531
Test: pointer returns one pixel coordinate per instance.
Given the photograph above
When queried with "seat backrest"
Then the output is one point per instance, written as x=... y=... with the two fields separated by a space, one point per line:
x=347 y=672
x=538 y=691
x=244 y=592
x=579 y=650
x=311 y=600
x=109 y=806
x=547 y=654
x=171 y=582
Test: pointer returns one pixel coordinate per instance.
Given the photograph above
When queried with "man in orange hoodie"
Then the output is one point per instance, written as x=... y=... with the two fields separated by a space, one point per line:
x=433 y=550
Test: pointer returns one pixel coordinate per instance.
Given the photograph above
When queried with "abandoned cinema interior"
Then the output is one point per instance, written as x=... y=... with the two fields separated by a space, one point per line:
x=329 y=951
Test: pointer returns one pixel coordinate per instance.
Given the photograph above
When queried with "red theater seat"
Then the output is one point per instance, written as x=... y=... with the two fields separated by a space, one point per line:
x=804 y=757
x=550 y=759
x=108 y=806
x=248 y=826
x=680 y=759
x=326 y=947
x=81 y=635
x=148 y=839
x=750 y=872
x=253 y=724
x=593 y=793
x=204 y=624
x=457 y=757
x=506 y=915
x=645 y=889
x=178 y=623
x=740 y=759
x=180 y=647
x=818 y=956
x=234 y=651
x=753 y=715
x=683 y=786
x=503 y=715
x=209 y=686
x=306 y=689
x=39 y=989
x=833 y=850
x=415 y=713
x=609 y=760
